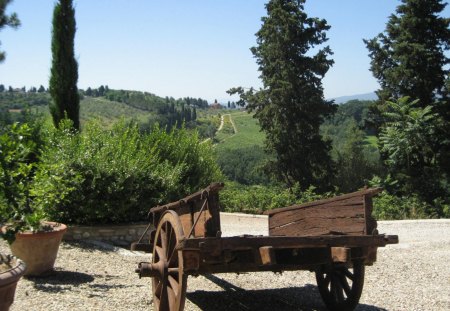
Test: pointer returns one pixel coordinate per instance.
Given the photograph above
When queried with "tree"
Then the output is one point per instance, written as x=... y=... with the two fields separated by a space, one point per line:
x=291 y=107
x=409 y=58
x=411 y=150
x=354 y=167
x=41 y=89
x=7 y=20
x=101 y=90
x=89 y=91
x=64 y=71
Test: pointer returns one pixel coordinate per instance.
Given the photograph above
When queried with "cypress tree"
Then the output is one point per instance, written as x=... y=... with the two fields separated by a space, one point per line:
x=291 y=107
x=64 y=71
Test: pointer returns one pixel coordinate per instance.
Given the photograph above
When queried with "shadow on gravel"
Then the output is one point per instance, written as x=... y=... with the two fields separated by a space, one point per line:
x=59 y=281
x=306 y=298
x=89 y=246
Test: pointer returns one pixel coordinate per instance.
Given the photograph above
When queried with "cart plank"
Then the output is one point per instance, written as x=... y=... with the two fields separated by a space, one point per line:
x=213 y=245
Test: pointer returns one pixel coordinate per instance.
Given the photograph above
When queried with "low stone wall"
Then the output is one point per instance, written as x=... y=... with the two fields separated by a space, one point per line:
x=119 y=234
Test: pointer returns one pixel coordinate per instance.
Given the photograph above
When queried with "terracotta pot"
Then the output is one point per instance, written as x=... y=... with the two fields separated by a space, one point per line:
x=39 y=250
x=8 y=282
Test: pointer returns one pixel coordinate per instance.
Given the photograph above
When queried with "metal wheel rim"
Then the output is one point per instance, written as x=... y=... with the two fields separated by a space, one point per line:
x=169 y=289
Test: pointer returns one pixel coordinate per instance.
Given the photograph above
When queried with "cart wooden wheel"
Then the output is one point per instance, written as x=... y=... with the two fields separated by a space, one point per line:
x=169 y=286
x=341 y=286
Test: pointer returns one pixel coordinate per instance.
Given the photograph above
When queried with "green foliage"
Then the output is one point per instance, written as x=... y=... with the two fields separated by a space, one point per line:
x=290 y=107
x=7 y=20
x=392 y=204
x=64 y=70
x=356 y=159
x=244 y=165
x=21 y=100
x=257 y=199
x=412 y=150
x=390 y=207
x=356 y=162
x=18 y=153
x=115 y=176
x=409 y=58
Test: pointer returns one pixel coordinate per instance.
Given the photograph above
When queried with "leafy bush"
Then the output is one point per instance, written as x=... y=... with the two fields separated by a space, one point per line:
x=115 y=176
x=257 y=199
x=392 y=204
x=390 y=207
x=18 y=153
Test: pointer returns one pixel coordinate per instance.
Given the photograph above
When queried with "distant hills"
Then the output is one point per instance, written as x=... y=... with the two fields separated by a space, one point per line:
x=344 y=99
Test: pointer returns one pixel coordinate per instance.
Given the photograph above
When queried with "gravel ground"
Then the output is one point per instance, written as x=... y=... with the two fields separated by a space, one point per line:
x=413 y=275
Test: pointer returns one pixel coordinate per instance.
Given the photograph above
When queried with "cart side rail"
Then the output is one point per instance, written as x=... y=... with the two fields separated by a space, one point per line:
x=348 y=214
x=199 y=212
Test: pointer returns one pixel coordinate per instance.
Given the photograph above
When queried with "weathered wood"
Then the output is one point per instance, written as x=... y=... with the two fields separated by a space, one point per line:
x=320 y=226
x=216 y=245
x=369 y=192
x=188 y=210
x=341 y=254
x=345 y=214
x=267 y=255
x=349 y=208
x=371 y=223
x=212 y=188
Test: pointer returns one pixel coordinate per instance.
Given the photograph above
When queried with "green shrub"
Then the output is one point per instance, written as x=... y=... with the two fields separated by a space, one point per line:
x=391 y=207
x=18 y=152
x=115 y=176
x=257 y=199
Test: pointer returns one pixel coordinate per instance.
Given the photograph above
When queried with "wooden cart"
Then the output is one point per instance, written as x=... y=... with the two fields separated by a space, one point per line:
x=335 y=238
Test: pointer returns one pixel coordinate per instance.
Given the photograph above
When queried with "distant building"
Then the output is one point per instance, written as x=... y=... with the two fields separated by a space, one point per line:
x=216 y=105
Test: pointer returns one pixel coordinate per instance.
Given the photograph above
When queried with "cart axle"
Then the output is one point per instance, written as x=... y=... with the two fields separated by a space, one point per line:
x=147 y=269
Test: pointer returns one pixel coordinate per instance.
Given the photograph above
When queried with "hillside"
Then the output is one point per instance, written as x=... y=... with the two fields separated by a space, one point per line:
x=365 y=96
x=245 y=133
x=108 y=106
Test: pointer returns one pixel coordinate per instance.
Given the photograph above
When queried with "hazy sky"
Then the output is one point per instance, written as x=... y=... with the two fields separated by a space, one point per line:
x=196 y=48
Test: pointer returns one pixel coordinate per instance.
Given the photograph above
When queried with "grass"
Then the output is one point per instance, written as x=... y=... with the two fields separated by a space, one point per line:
x=248 y=132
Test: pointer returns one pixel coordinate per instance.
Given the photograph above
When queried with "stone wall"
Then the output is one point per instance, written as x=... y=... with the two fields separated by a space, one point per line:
x=119 y=235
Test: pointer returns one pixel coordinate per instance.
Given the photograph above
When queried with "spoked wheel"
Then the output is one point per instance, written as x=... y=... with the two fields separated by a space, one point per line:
x=341 y=286
x=169 y=286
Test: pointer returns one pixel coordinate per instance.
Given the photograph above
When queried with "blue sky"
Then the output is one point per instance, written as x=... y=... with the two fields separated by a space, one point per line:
x=196 y=48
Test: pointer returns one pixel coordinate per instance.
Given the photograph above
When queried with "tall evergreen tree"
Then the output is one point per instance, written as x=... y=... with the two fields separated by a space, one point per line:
x=7 y=20
x=64 y=70
x=291 y=107
x=409 y=58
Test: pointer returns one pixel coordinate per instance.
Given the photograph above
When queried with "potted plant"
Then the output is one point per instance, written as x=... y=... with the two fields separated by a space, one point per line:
x=31 y=237
x=11 y=270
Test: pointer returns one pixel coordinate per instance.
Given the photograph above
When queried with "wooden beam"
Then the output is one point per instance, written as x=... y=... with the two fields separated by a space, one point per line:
x=216 y=245
x=267 y=255
x=341 y=254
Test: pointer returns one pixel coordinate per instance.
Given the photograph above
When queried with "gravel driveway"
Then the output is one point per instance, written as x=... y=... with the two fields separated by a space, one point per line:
x=413 y=275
